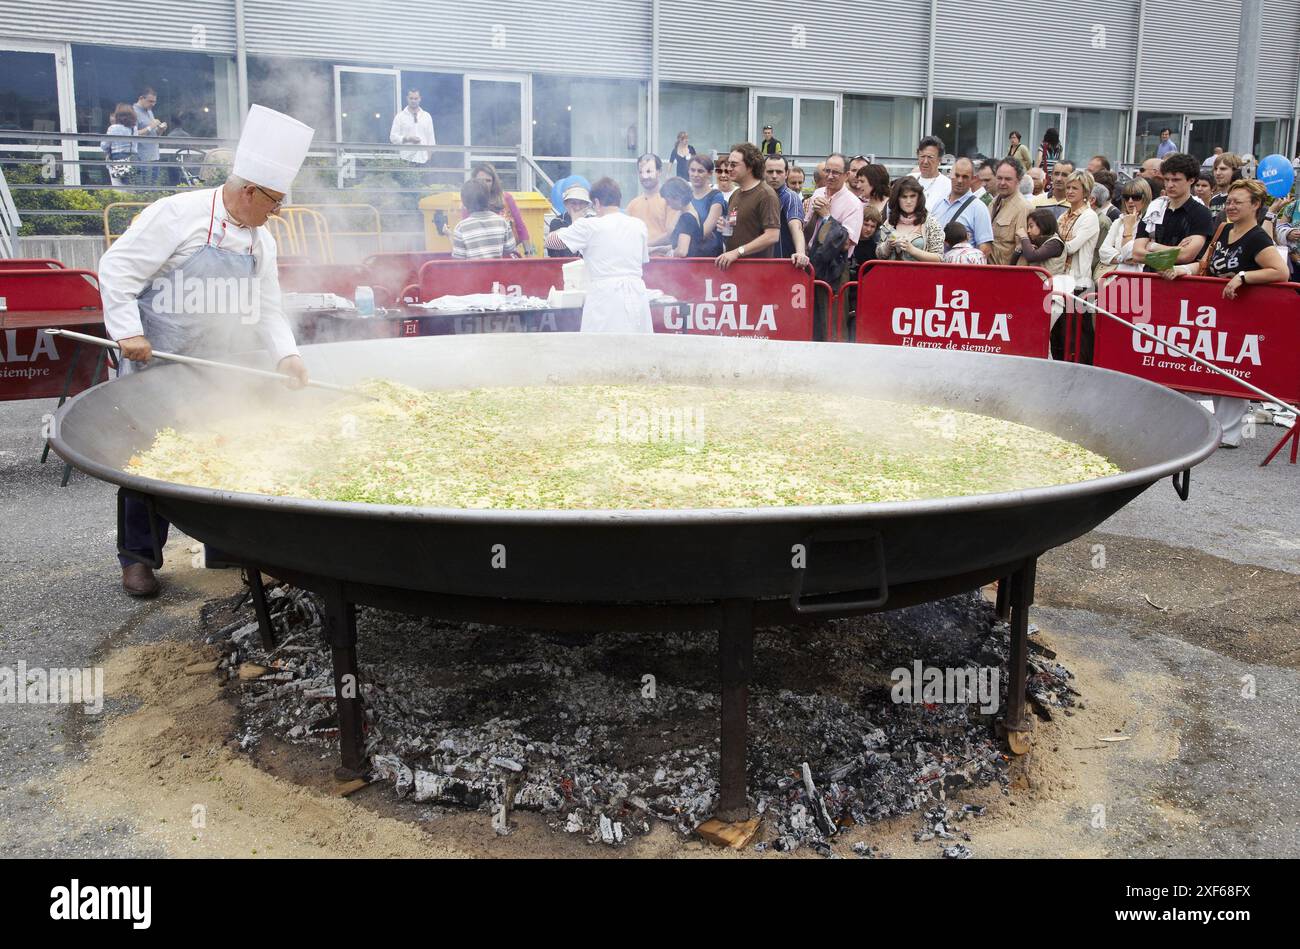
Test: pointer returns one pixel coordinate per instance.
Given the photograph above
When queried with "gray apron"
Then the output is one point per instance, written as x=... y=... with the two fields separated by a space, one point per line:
x=206 y=306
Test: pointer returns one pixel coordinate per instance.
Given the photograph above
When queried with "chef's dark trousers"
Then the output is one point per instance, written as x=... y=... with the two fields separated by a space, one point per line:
x=135 y=529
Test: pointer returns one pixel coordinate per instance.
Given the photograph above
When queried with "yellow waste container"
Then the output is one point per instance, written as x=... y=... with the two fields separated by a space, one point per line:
x=442 y=214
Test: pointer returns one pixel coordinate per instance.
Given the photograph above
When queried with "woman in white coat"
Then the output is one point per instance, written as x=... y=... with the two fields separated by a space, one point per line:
x=614 y=247
x=1116 y=251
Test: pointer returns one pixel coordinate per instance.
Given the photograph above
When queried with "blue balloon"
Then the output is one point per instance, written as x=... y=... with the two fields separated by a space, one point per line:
x=563 y=185
x=1277 y=175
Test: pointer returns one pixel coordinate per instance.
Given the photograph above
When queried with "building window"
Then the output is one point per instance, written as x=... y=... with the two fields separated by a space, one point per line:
x=591 y=118
x=1204 y=135
x=887 y=127
x=185 y=84
x=368 y=99
x=1268 y=137
x=1149 y=125
x=302 y=88
x=29 y=91
x=805 y=123
x=967 y=128
x=442 y=95
x=715 y=117
x=1095 y=132
x=599 y=118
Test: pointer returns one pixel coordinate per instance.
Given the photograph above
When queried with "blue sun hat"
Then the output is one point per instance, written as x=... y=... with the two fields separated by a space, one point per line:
x=563 y=185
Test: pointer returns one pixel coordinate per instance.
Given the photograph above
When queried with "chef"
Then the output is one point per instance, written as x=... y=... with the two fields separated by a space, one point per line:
x=613 y=246
x=196 y=274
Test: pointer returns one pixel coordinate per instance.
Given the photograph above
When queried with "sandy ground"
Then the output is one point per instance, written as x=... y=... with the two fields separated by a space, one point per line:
x=1185 y=642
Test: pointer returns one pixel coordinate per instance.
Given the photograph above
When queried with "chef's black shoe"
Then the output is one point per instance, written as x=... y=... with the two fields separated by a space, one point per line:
x=138 y=580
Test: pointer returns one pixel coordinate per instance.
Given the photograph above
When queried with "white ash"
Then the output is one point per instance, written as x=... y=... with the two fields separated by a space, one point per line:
x=467 y=715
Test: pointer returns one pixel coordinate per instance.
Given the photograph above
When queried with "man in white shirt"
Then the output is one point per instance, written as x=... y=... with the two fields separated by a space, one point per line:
x=412 y=126
x=193 y=274
x=935 y=185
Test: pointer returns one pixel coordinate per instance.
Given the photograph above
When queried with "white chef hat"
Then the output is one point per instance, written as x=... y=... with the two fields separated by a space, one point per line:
x=271 y=148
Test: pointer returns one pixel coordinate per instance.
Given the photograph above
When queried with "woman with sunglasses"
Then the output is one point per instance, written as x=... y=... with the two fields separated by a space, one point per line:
x=1116 y=251
x=1241 y=251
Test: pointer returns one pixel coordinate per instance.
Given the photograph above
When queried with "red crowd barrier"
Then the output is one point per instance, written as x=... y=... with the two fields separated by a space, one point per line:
x=529 y=277
x=987 y=308
x=1256 y=336
x=49 y=289
x=400 y=270
x=32 y=364
x=31 y=263
x=341 y=279
x=758 y=298
x=764 y=299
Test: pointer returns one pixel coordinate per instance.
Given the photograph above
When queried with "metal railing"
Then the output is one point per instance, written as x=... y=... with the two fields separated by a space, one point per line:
x=367 y=177
x=10 y=222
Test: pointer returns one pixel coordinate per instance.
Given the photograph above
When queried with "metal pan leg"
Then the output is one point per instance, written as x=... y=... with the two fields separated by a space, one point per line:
x=736 y=664
x=1021 y=596
x=341 y=625
x=259 y=607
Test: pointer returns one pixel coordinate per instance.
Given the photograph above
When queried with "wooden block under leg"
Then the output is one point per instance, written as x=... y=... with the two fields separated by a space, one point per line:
x=737 y=836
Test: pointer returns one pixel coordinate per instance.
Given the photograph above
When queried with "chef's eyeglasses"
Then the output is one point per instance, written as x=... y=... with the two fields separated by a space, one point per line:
x=276 y=203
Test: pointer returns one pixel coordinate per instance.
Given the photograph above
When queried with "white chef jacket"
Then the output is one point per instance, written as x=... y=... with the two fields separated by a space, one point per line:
x=405 y=126
x=614 y=247
x=162 y=238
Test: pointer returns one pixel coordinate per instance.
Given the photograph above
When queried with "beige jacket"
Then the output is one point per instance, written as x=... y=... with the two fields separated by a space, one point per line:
x=1008 y=219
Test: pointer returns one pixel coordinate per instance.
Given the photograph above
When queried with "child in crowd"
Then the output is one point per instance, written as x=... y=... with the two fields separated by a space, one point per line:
x=960 y=250
x=1040 y=246
x=481 y=235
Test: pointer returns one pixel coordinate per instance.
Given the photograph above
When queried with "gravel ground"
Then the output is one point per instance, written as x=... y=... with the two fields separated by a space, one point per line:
x=1212 y=664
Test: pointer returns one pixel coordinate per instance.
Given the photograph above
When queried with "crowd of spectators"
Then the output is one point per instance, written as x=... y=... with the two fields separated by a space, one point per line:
x=1075 y=219
x=1093 y=219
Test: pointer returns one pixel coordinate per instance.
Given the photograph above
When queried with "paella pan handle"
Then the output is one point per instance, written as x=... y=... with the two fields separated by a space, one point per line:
x=841 y=601
x=1183 y=486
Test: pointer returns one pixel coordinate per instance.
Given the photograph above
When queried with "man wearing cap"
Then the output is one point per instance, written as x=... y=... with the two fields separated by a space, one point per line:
x=577 y=205
x=770 y=145
x=195 y=274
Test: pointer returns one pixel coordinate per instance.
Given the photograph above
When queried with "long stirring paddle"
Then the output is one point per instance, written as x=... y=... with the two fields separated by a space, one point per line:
x=196 y=361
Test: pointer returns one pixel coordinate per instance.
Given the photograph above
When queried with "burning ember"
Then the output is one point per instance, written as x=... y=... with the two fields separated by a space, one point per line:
x=606 y=734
